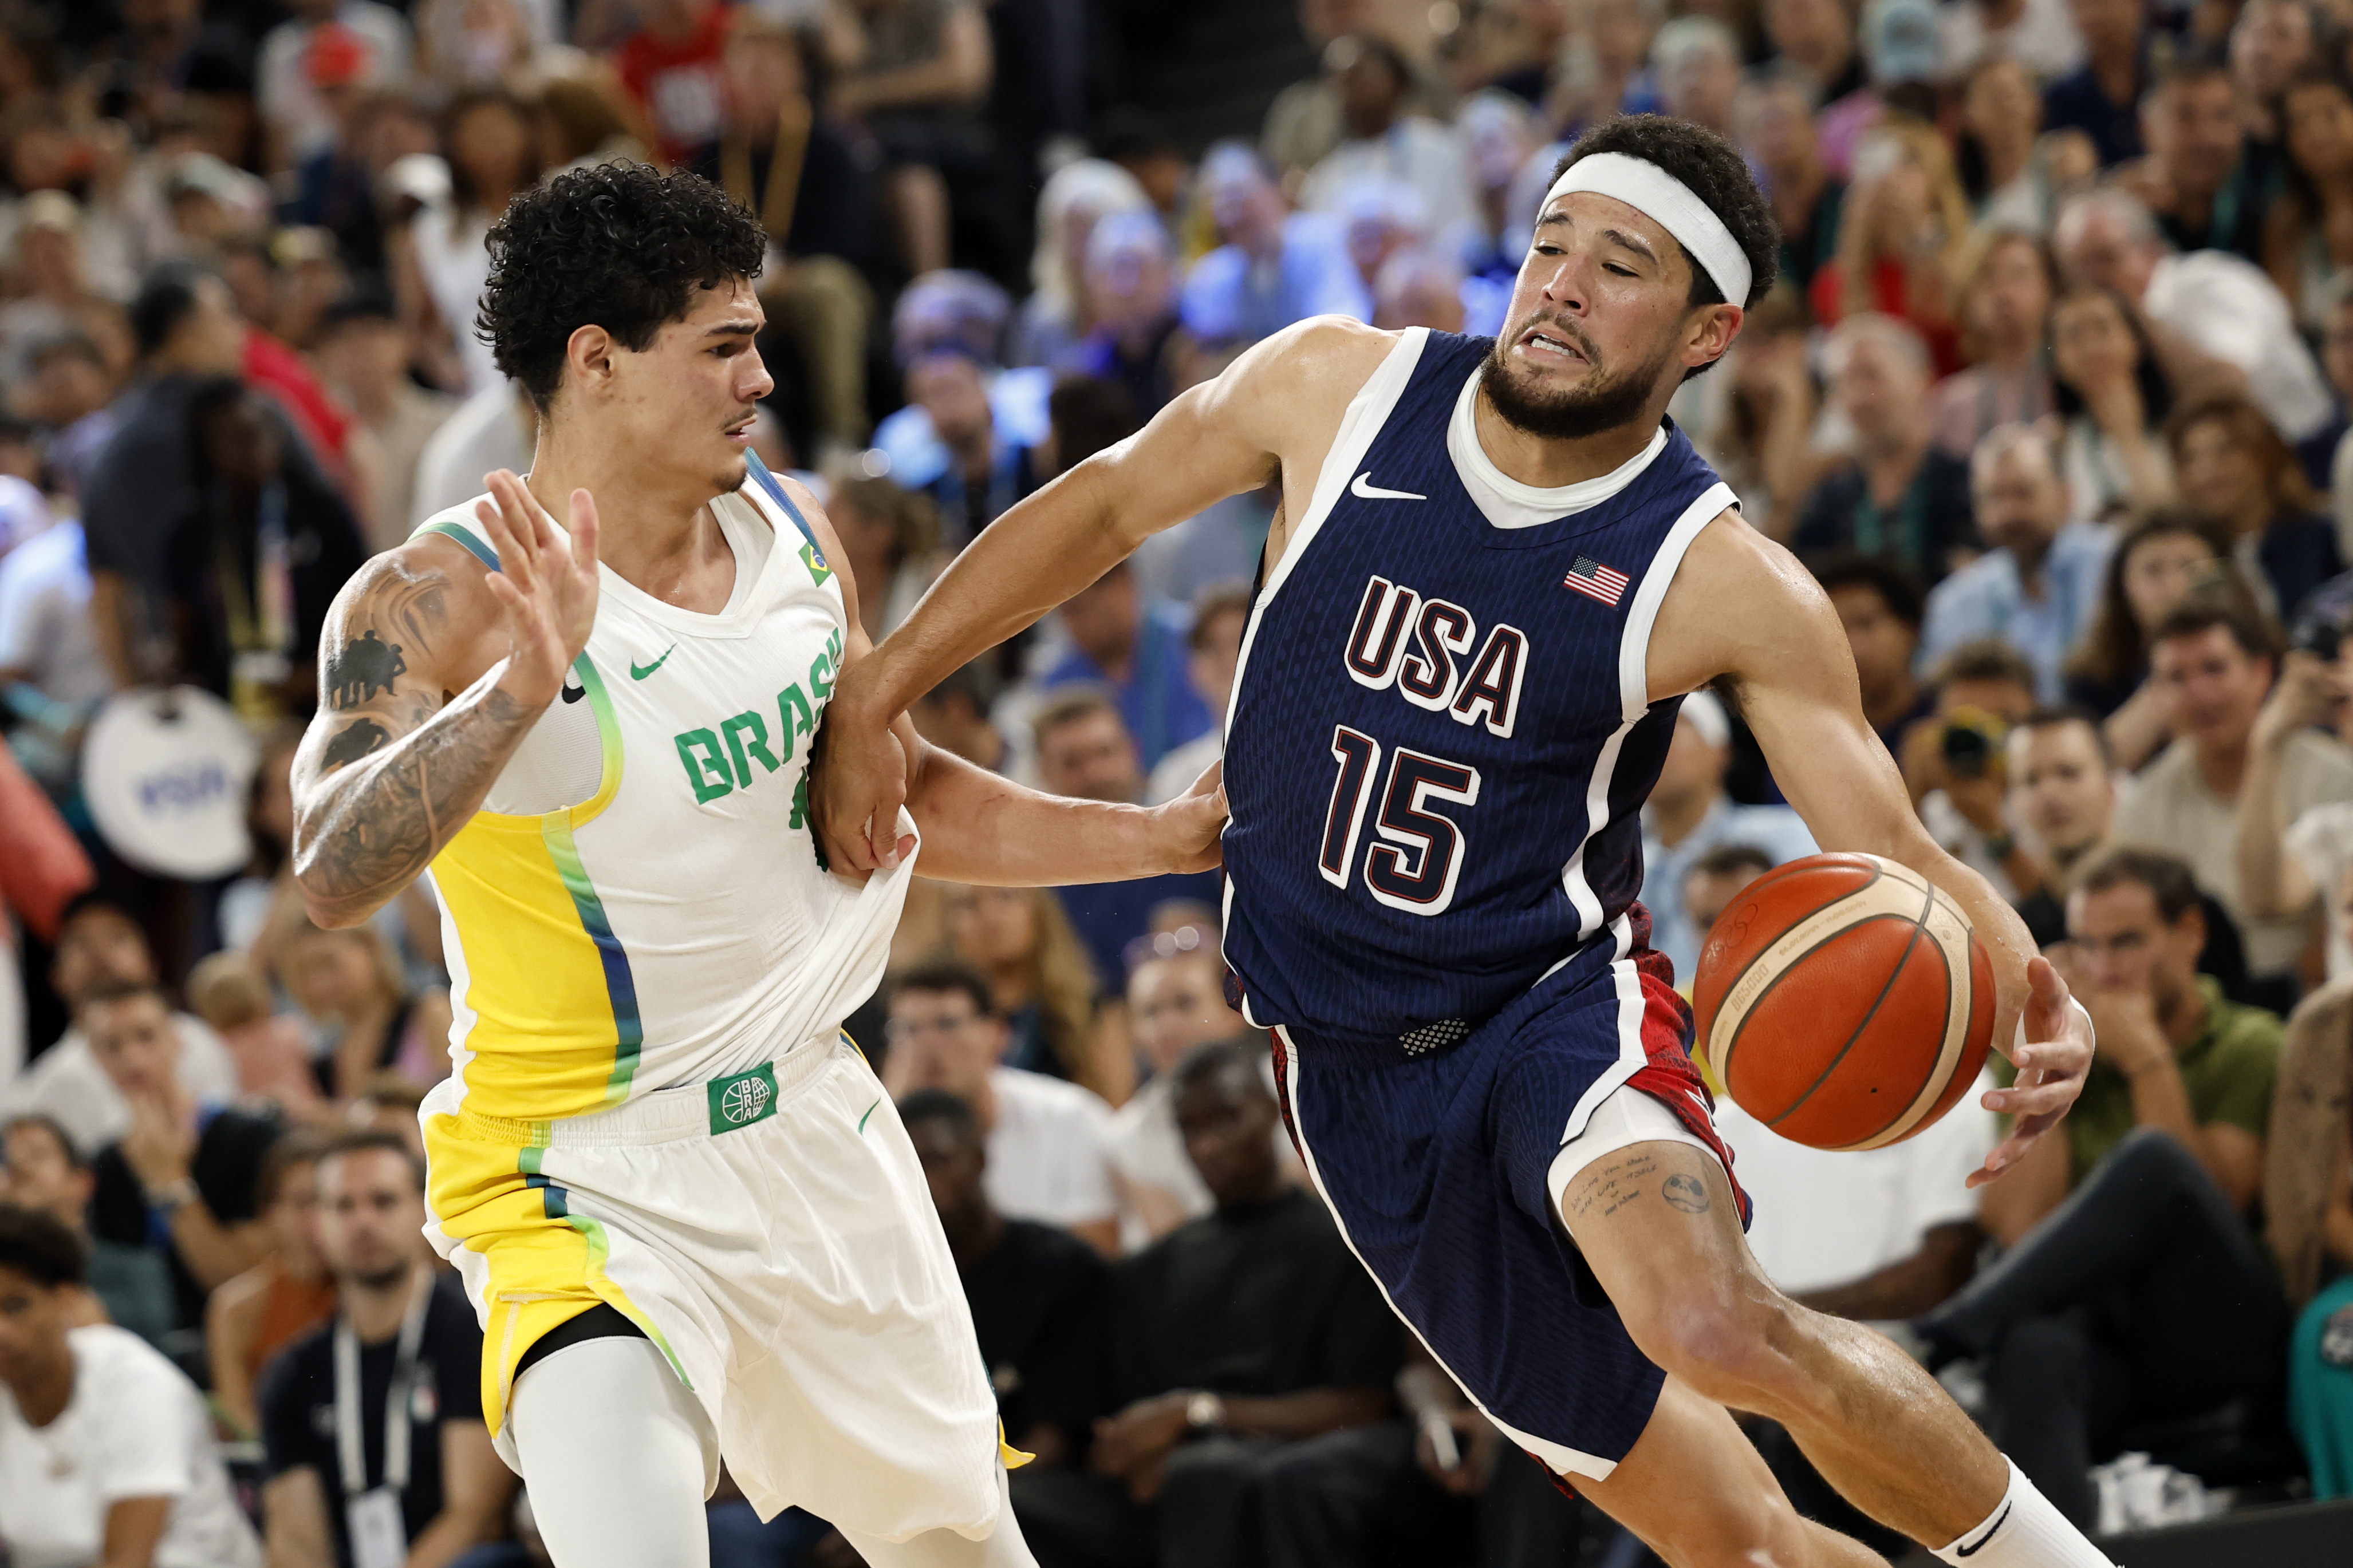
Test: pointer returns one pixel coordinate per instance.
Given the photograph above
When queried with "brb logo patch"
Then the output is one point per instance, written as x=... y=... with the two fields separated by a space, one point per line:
x=740 y=1101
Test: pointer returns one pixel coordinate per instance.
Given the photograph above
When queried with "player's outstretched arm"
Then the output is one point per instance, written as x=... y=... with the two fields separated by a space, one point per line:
x=1743 y=613
x=393 y=764
x=982 y=828
x=1275 y=409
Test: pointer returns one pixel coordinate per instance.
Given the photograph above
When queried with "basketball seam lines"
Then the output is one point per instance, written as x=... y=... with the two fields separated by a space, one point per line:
x=1918 y=925
x=1944 y=1022
x=1724 y=1068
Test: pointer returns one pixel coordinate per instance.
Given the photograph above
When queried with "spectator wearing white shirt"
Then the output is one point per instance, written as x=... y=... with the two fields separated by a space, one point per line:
x=1383 y=143
x=106 y=1449
x=99 y=944
x=2206 y=304
x=2290 y=858
x=1689 y=814
x=2038 y=584
x=1047 y=1160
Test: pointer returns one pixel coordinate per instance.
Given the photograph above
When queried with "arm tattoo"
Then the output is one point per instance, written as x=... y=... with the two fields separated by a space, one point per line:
x=371 y=827
x=358 y=671
x=411 y=609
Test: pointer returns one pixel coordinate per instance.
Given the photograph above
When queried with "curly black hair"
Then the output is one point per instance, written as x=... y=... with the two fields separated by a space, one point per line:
x=1715 y=172
x=622 y=246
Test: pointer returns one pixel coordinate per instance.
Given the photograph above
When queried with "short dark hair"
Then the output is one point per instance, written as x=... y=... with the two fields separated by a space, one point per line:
x=2180 y=67
x=2059 y=715
x=1089 y=414
x=49 y=1124
x=366 y=1140
x=1729 y=859
x=95 y=898
x=2203 y=612
x=1897 y=586
x=1987 y=658
x=619 y=245
x=2166 y=876
x=1210 y=1060
x=301 y=1147
x=108 y=992
x=1716 y=173
x=942 y=1105
x=1069 y=704
x=42 y=1246
x=166 y=297
x=945 y=977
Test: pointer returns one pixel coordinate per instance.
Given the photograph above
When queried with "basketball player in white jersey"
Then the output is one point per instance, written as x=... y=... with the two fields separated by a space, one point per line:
x=1477 y=471
x=684 y=1208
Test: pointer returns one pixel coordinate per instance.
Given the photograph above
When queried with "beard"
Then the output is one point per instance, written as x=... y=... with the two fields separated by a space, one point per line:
x=1606 y=401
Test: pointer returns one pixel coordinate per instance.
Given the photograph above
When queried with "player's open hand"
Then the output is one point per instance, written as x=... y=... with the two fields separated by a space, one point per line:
x=858 y=780
x=546 y=579
x=1191 y=828
x=2054 y=1055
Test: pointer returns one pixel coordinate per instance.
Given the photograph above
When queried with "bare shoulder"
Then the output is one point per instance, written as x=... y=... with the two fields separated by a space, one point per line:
x=420 y=609
x=1310 y=366
x=1739 y=604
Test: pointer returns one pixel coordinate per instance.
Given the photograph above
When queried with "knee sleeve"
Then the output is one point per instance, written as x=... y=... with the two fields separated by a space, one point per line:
x=617 y=1458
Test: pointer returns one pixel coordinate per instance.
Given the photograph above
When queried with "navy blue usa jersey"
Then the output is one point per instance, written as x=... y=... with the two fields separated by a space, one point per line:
x=1442 y=734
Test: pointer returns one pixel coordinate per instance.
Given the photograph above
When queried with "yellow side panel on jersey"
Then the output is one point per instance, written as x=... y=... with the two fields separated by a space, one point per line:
x=546 y=1264
x=556 y=1030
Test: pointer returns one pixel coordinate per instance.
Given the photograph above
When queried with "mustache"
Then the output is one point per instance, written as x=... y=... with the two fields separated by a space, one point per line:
x=1560 y=327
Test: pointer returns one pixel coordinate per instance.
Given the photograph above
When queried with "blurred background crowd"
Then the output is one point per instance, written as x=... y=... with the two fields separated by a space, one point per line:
x=2052 y=398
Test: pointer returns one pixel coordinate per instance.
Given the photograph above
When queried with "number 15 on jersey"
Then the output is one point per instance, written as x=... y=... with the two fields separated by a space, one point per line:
x=1417 y=853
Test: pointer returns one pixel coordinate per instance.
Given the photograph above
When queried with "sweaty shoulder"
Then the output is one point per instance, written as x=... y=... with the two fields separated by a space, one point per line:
x=1738 y=602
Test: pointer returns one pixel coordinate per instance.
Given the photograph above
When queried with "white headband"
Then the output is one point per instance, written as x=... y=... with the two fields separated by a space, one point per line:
x=1667 y=201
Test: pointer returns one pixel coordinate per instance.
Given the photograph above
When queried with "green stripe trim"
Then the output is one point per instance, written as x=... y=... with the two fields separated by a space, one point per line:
x=465 y=536
x=555 y=832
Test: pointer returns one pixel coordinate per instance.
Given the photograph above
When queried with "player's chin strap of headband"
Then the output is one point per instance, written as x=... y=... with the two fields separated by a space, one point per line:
x=1671 y=204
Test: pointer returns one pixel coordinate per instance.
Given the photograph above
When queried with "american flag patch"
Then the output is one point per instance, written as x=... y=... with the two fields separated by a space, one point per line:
x=1595 y=581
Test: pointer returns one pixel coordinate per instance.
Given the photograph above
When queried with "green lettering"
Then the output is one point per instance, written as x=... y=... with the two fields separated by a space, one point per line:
x=821 y=675
x=706 y=765
x=757 y=746
x=794 y=716
x=800 y=801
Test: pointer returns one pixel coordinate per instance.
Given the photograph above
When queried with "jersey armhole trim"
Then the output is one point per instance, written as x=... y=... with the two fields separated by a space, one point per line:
x=1634 y=650
x=476 y=546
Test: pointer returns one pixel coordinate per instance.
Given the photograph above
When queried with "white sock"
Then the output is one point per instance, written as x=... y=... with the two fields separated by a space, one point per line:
x=617 y=1455
x=1000 y=1548
x=2023 y=1532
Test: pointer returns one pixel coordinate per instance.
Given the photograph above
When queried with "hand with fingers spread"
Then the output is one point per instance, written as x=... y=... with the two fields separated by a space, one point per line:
x=546 y=580
x=2054 y=1055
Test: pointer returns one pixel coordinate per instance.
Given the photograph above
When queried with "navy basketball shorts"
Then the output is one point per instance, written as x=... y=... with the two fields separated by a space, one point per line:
x=1436 y=1168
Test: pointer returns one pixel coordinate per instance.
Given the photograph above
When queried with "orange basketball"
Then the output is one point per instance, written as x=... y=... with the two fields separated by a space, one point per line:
x=1843 y=1002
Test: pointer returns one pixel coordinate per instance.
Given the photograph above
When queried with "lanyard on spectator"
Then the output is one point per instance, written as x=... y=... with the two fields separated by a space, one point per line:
x=784 y=181
x=349 y=1451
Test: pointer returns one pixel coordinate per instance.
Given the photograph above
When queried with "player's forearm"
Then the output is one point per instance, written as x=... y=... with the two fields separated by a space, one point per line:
x=986 y=830
x=363 y=831
x=1996 y=925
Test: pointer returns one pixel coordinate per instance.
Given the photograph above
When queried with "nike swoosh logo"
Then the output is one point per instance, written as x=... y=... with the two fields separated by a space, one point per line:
x=1991 y=1530
x=1369 y=491
x=639 y=672
x=574 y=693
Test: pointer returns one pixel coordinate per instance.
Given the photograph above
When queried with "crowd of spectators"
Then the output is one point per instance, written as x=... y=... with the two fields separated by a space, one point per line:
x=2054 y=402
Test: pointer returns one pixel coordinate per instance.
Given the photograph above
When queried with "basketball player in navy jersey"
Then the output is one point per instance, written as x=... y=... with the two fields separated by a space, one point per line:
x=1496 y=571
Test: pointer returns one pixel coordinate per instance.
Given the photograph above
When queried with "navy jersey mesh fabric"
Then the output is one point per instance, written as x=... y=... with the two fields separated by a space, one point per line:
x=1441 y=737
